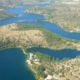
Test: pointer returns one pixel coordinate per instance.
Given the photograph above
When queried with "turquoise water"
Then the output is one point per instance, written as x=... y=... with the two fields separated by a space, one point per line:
x=13 y=65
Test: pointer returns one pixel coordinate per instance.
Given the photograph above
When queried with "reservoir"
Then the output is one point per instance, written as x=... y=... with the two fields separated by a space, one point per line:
x=60 y=54
x=30 y=17
x=13 y=61
x=13 y=65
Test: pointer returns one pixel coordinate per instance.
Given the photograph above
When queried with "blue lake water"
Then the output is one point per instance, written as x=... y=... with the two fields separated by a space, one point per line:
x=65 y=53
x=13 y=65
x=29 y=16
x=12 y=61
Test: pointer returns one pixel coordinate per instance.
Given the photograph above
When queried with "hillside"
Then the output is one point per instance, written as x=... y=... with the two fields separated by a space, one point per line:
x=47 y=68
x=13 y=3
x=13 y=35
x=65 y=15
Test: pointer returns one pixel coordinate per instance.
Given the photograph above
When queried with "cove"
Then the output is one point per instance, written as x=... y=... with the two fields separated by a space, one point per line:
x=65 y=53
x=13 y=65
x=30 y=17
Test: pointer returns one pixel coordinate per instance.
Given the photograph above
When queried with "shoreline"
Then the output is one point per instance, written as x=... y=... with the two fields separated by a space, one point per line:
x=9 y=17
x=28 y=65
x=70 y=31
x=56 y=49
x=46 y=19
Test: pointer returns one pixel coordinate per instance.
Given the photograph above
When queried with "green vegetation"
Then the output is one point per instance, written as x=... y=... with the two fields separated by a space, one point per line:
x=46 y=38
x=25 y=36
x=43 y=57
x=48 y=58
x=52 y=38
x=40 y=71
x=44 y=65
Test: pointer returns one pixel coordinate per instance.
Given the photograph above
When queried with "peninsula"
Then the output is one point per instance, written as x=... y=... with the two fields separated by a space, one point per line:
x=5 y=15
x=47 y=68
x=13 y=35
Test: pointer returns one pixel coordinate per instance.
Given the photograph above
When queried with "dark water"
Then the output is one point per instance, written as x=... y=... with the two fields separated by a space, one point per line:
x=13 y=65
x=65 y=53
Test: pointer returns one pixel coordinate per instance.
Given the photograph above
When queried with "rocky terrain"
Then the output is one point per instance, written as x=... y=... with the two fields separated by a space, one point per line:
x=12 y=35
x=13 y=3
x=66 y=16
x=51 y=69
x=9 y=35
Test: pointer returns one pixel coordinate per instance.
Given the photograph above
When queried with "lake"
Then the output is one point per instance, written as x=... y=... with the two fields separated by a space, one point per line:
x=30 y=17
x=65 y=53
x=13 y=65
x=12 y=61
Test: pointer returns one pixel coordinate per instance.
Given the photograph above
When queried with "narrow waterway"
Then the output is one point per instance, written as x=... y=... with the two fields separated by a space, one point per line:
x=60 y=54
x=30 y=17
